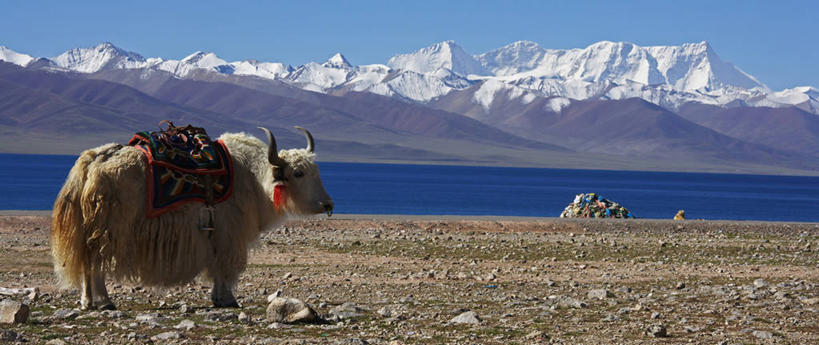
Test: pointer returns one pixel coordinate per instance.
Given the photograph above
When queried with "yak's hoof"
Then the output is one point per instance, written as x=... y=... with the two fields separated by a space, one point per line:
x=108 y=306
x=228 y=304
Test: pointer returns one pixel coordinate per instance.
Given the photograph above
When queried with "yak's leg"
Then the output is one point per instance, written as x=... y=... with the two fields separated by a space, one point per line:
x=93 y=294
x=101 y=299
x=86 y=292
x=222 y=294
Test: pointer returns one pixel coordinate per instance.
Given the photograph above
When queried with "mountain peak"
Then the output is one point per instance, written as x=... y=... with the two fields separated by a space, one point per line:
x=90 y=60
x=337 y=61
x=14 y=57
x=442 y=55
x=512 y=58
x=204 y=60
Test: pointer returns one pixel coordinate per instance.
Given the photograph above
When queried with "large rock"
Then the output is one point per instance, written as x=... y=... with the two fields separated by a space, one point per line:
x=290 y=310
x=469 y=317
x=13 y=311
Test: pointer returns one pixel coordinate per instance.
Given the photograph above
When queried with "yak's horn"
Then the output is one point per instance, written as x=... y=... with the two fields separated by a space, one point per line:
x=311 y=144
x=272 y=152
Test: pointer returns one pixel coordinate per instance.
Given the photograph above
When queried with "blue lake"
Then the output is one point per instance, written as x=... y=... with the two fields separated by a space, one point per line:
x=31 y=182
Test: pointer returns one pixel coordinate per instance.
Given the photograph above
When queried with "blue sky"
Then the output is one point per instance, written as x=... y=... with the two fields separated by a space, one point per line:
x=775 y=41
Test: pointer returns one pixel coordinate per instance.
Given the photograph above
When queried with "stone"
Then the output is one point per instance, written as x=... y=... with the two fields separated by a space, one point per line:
x=150 y=318
x=537 y=335
x=113 y=314
x=657 y=331
x=13 y=311
x=8 y=336
x=763 y=334
x=66 y=314
x=243 y=317
x=30 y=294
x=566 y=302
x=216 y=316
x=760 y=283
x=185 y=324
x=347 y=310
x=469 y=317
x=692 y=329
x=386 y=311
x=599 y=294
x=185 y=309
x=611 y=318
x=170 y=335
x=56 y=341
x=278 y=325
x=290 y=310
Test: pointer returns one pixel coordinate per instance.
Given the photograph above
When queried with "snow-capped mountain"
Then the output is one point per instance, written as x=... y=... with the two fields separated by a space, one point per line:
x=669 y=76
x=689 y=67
x=430 y=60
x=105 y=55
x=14 y=57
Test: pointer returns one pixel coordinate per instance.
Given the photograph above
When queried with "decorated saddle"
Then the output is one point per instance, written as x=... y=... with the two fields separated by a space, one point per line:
x=185 y=165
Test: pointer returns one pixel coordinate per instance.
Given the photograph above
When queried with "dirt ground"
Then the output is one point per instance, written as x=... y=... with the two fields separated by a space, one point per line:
x=404 y=279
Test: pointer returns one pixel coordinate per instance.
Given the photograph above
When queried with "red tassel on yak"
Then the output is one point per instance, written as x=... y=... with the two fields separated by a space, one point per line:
x=279 y=196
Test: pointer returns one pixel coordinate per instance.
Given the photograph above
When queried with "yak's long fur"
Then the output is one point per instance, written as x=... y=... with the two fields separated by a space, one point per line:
x=99 y=221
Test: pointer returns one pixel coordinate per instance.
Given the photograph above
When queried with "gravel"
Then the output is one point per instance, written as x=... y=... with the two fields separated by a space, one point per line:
x=404 y=280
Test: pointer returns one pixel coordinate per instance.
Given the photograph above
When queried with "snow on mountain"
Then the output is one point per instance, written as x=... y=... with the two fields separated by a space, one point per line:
x=556 y=104
x=319 y=77
x=444 y=55
x=14 y=57
x=665 y=75
x=337 y=61
x=513 y=58
x=268 y=70
x=418 y=87
x=695 y=66
x=90 y=60
x=204 y=60
x=804 y=97
x=669 y=76
x=489 y=89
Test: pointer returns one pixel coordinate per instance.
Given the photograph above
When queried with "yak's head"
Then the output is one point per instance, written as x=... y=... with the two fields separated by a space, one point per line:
x=297 y=186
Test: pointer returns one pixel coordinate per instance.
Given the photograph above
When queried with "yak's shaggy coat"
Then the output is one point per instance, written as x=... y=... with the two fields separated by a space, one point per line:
x=99 y=225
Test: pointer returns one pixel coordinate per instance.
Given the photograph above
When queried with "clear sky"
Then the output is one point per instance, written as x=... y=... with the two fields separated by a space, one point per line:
x=775 y=41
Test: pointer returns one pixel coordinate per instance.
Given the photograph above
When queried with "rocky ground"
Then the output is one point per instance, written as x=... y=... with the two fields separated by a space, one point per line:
x=445 y=280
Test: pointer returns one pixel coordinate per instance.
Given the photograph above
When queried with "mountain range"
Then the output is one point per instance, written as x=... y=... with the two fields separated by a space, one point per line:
x=611 y=105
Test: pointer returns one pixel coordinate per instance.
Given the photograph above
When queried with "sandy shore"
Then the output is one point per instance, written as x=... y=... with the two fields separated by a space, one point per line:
x=528 y=280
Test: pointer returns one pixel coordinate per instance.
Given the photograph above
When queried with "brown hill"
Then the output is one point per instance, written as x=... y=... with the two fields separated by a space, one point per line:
x=789 y=128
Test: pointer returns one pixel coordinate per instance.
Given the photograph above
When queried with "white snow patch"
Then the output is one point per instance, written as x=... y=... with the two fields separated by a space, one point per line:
x=557 y=104
x=485 y=95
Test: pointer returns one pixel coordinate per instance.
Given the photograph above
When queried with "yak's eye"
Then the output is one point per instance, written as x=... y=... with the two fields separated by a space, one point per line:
x=298 y=174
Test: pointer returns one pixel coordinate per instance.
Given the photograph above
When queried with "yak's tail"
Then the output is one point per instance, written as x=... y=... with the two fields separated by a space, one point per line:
x=75 y=220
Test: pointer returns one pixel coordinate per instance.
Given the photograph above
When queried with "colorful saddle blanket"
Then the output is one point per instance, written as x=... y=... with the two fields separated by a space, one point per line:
x=184 y=166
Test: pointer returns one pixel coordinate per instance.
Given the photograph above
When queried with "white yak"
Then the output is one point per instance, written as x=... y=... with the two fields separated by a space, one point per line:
x=99 y=226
